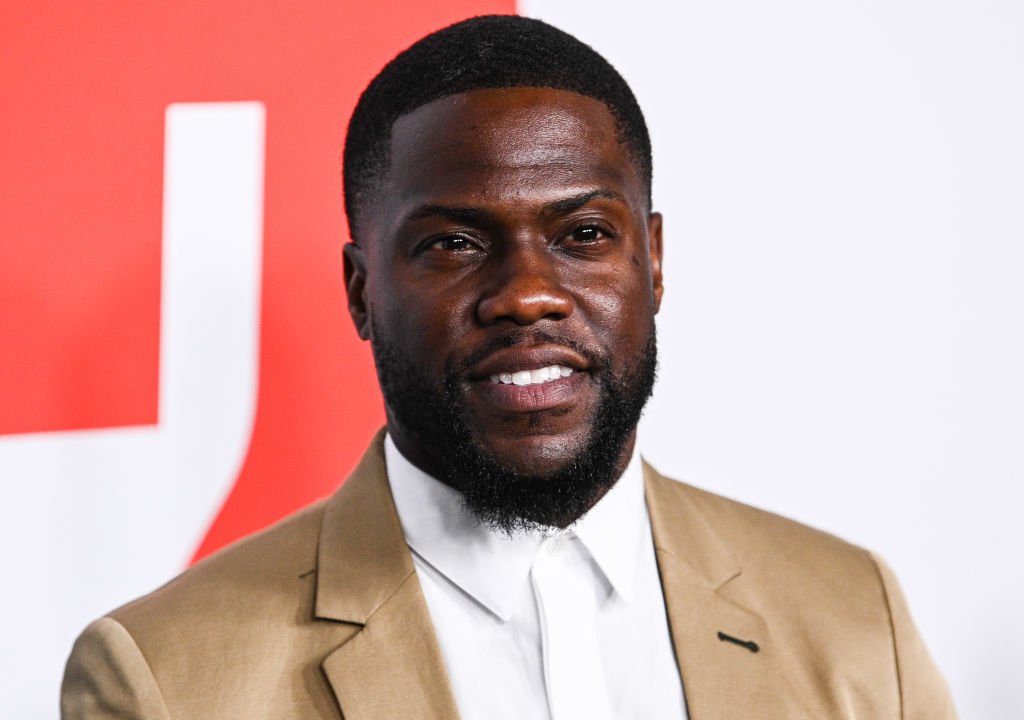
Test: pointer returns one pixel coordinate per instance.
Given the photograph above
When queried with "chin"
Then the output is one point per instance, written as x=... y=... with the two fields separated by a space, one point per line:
x=537 y=455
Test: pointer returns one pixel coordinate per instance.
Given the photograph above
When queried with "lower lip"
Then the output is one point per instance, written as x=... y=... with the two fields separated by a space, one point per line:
x=533 y=398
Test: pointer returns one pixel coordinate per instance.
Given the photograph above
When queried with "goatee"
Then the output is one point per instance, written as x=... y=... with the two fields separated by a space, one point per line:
x=500 y=496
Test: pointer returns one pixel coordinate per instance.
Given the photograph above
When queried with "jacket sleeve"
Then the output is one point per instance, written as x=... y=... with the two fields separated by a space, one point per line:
x=924 y=694
x=107 y=677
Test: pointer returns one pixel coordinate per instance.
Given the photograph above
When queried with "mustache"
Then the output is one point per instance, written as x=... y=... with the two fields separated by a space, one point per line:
x=595 y=357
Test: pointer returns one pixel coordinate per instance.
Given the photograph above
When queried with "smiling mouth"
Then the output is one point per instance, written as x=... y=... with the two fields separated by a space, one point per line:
x=549 y=387
x=538 y=376
x=522 y=378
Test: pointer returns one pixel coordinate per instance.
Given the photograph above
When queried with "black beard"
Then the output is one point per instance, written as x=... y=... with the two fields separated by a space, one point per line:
x=497 y=495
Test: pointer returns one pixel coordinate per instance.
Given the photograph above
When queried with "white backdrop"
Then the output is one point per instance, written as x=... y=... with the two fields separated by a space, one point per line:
x=842 y=338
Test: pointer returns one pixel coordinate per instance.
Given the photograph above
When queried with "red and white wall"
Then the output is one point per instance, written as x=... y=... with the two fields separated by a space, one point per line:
x=841 y=340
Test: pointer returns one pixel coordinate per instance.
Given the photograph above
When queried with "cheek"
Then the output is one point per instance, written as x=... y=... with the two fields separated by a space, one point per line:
x=426 y=319
x=616 y=301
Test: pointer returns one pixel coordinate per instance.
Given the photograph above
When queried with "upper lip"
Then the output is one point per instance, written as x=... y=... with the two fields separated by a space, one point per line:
x=514 y=359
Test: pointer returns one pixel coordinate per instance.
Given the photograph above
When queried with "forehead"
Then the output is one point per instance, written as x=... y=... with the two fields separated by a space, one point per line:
x=507 y=143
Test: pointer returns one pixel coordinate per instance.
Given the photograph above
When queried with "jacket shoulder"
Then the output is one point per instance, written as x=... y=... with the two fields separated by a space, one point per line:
x=836 y=608
x=762 y=540
x=253 y=576
x=233 y=636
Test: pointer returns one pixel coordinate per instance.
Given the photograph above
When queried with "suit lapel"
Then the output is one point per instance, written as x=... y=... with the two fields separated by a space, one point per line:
x=722 y=679
x=392 y=665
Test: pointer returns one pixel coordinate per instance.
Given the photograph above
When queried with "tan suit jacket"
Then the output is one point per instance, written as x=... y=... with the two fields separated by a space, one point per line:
x=322 y=616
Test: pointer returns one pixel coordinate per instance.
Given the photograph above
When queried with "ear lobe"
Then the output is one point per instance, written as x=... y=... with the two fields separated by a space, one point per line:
x=654 y=225
x=355 y=288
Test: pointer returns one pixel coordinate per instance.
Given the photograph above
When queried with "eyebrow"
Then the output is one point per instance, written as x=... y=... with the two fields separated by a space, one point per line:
x=469 y=215
x=479 y=216
x=567 y=205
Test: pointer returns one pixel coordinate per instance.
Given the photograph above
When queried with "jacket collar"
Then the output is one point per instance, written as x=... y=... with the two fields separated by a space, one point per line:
x=721 y=677
x=392 y=665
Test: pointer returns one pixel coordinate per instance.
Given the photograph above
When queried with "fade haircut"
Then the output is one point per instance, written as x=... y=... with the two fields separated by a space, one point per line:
x=492 y=51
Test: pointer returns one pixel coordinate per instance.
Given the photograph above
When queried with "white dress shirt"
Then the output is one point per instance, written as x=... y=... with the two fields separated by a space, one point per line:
x=477 y=586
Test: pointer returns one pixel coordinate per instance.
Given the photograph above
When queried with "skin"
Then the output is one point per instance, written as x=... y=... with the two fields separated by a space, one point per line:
x=508 y=214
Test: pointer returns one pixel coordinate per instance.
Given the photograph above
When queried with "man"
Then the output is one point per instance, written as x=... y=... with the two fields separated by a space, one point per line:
x=502 y=551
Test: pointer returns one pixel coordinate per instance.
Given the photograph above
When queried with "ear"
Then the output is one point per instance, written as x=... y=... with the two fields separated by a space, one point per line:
x=355 y=287
x=655 y=246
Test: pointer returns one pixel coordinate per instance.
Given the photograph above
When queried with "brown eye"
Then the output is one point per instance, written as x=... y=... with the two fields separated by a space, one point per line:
x=453 y=243
x=587 y=234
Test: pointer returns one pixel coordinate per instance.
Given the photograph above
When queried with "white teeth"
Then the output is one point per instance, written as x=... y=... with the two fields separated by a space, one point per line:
x=532 y=377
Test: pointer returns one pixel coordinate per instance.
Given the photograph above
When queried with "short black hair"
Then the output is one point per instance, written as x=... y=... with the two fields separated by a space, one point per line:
x=491 y=51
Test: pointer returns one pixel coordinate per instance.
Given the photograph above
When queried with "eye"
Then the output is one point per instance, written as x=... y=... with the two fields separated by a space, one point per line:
x=591 y=236
x=587 y=234
x=452 y=243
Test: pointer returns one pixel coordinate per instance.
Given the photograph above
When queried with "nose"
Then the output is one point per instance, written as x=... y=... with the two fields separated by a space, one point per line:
x=525 y=289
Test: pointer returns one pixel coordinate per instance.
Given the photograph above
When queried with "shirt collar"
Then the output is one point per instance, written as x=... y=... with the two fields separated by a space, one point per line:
x=613 y=530
x=493 y=567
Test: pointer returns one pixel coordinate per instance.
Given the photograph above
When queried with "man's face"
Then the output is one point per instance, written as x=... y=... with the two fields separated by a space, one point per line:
x=507 y=276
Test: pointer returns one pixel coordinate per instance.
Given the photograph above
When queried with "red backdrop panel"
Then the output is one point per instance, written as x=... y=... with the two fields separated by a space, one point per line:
x=84 y=87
